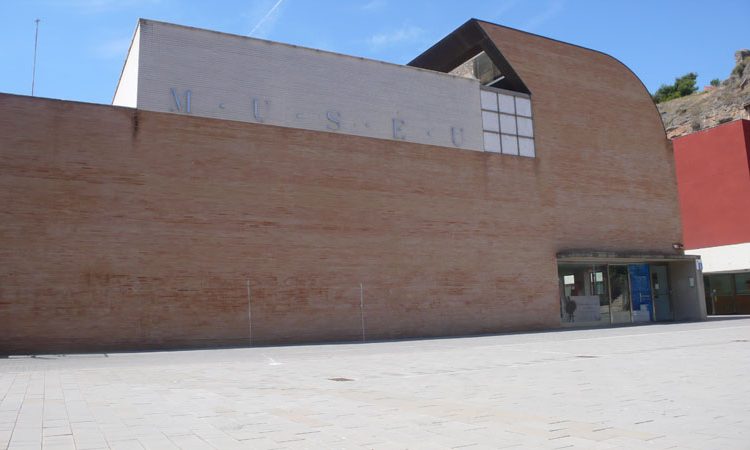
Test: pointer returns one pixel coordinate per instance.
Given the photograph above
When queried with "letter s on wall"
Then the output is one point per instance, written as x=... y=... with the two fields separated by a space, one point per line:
x=334 y=120
x=398 y=132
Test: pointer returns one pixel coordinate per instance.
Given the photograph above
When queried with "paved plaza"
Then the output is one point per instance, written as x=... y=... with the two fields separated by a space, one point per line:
x=683 y=386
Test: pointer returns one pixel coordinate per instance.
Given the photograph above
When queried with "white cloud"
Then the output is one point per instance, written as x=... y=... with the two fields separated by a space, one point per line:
x=405 y=34
x=504 y=7
x=113 y=48
x=267 y=22
x=99 y=6
x=553 y=8
x=373 y=5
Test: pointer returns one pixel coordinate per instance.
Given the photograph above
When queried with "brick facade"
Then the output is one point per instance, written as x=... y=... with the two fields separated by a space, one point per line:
x=129 y=229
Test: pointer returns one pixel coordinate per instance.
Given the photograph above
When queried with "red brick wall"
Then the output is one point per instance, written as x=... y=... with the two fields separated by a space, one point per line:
x=605 y=168
x=130 y=229
x=713 y=170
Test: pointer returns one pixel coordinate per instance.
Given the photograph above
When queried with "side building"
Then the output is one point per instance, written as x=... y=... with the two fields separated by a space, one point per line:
x=713 y=172
x=246 y=192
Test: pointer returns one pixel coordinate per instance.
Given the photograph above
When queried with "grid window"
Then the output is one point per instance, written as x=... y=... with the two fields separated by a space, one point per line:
x=507 y=123
x=523 y=106
x=491 y=142
x=489 y=100
x=490 y=122
x=526 y=147
x=510 y=144
x=506 y=104
x=524 y=127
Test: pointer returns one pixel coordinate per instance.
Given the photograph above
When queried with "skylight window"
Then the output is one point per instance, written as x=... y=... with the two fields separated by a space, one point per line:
x=481 y=68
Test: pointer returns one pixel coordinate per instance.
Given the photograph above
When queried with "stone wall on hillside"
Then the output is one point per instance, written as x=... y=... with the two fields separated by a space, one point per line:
x=730 y=101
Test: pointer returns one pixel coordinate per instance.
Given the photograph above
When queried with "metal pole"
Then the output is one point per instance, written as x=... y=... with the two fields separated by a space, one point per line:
x=249 y=315
x=33 y=69
x=362 y=308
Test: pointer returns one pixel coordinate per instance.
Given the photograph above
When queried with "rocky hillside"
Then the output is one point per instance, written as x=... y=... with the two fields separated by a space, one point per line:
x=710 y=108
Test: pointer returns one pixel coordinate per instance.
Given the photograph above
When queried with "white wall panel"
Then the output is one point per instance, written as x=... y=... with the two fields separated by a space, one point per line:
x=724 y=258
x=238 y=78
x=126 y=93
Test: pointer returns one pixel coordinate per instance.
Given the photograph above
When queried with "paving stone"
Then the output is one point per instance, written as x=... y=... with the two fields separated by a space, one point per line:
x=651 y=387
x=59 y=442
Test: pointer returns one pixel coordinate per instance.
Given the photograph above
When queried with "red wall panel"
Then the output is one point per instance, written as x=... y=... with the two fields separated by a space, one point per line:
x=713 y=176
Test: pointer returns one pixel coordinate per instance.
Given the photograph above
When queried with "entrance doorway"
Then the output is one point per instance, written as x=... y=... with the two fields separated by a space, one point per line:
x=619 y=294
x=592 y=294
x=611 y=288
x=660 y=289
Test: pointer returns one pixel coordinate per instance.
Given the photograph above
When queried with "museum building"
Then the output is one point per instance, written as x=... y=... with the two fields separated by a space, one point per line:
x=246 y=192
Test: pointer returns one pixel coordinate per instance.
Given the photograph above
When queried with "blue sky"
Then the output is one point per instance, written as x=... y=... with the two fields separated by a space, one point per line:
x=82 y=43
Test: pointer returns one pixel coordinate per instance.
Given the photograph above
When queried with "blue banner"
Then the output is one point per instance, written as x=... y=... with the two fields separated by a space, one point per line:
x=640 y=292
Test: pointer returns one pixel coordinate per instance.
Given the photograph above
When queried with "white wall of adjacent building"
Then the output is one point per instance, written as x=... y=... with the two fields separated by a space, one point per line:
x=205 y=73
x=724 y=258
x=126 y=93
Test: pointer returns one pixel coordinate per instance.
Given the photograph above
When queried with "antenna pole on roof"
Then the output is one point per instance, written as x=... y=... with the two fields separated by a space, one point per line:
x=33 y=69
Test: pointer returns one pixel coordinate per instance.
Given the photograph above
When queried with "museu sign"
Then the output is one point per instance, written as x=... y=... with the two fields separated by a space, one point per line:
x=332 y=120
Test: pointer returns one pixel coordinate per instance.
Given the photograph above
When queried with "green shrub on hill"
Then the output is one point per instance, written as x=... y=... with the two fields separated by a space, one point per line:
x=684 y=85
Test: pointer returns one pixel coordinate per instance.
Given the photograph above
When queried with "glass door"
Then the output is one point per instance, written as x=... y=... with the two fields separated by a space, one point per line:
x=660 y=289
x=619 y=294
x=600 y=289
x=584 y=296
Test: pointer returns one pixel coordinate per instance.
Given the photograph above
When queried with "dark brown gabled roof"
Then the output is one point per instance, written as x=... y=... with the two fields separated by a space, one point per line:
x=462 y=44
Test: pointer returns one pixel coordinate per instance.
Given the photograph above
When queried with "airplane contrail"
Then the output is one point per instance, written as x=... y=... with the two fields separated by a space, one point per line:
x=268 y=14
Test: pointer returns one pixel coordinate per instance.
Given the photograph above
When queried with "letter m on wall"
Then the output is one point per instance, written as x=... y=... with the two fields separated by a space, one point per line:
x=180 y=102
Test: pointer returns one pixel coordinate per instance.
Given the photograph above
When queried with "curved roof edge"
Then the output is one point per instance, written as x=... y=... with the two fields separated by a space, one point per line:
x=469 y=37
x=645 y=89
